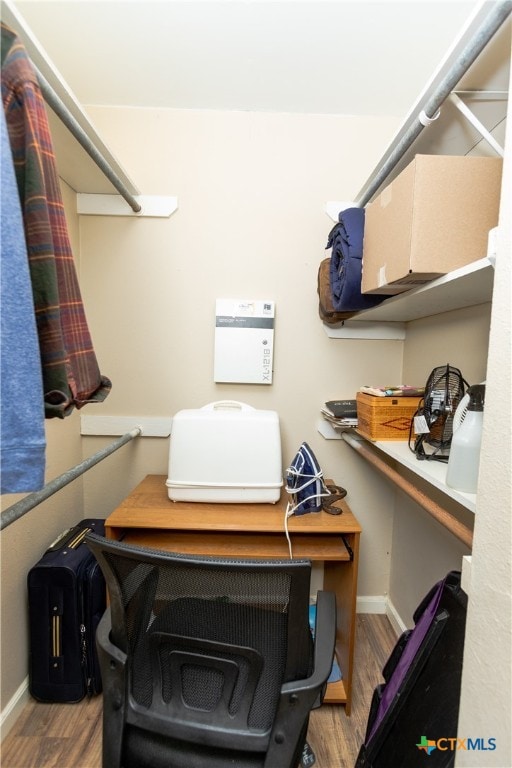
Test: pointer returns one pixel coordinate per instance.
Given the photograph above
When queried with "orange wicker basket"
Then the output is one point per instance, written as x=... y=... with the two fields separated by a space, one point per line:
x=385 y=418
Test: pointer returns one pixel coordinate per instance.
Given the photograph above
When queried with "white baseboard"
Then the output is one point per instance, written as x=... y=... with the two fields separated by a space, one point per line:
x=371 y=604
x=14 y=709
x=381 y=604
x=395 y=619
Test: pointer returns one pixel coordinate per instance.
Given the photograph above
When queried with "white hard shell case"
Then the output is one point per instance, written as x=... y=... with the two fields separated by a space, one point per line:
x=225 y=452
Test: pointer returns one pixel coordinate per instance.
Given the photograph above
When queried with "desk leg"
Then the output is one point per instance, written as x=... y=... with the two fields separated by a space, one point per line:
x=341 y=578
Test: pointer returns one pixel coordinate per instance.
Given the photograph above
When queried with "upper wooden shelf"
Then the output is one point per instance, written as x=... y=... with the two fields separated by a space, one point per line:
x=465 y=287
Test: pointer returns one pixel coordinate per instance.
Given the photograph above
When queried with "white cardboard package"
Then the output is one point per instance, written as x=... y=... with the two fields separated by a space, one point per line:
x=225 y=452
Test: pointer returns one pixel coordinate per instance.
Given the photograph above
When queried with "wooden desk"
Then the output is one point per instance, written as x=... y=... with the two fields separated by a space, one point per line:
x=148 y=517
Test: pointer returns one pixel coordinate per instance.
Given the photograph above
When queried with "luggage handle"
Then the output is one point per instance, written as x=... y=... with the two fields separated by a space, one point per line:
x=71 y=538
x=226 y=404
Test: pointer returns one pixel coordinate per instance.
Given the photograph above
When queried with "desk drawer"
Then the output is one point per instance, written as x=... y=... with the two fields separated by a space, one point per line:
x=221 y=544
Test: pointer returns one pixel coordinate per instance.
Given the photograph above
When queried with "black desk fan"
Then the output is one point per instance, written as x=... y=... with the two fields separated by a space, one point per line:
x=433 y=421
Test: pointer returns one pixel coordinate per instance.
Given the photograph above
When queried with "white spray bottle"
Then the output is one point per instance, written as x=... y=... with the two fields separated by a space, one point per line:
x=464 y=458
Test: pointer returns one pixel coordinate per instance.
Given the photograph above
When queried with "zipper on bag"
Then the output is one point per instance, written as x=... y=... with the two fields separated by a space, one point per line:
x=75 y=543
x=84 y=662
x=87 y=650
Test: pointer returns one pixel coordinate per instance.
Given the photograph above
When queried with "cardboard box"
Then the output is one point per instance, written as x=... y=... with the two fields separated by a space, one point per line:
x=433 y=218
x=385 y=418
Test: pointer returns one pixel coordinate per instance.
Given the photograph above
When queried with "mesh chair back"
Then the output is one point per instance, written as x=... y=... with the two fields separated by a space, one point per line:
x=208 y=641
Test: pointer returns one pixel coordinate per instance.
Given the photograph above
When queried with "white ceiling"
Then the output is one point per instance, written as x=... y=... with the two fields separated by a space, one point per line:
x=321 y=56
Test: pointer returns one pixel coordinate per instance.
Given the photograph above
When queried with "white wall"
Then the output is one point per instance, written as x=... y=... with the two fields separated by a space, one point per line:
x=251 y=223
x=487 y=673
x=251 y=190
x=424 y=551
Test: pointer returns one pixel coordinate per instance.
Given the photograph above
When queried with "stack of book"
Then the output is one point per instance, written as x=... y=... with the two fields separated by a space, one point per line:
x=398 y=390
x=341 y=413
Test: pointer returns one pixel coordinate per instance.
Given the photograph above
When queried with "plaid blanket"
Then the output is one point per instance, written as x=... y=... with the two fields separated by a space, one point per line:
x=71 y=377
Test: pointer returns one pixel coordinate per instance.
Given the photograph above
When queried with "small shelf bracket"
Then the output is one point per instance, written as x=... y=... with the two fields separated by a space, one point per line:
x=360 y=329
x=113 y=205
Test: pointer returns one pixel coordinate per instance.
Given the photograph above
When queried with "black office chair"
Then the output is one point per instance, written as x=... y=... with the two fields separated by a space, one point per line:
x=208 y=662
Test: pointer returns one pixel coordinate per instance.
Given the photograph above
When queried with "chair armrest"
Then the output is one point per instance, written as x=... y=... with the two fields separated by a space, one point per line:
x=300 y=696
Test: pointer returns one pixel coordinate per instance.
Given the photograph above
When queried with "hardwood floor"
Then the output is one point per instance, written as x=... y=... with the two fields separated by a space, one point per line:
x=334 y=737
x=69 y=735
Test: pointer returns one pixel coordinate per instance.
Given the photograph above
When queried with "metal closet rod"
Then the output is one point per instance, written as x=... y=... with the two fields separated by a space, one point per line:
x=496 y=17
x=20 y=508
x=63 y=113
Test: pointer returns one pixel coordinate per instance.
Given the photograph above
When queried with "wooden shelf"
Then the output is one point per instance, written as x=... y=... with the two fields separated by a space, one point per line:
x=434 y=472
x=465 y=287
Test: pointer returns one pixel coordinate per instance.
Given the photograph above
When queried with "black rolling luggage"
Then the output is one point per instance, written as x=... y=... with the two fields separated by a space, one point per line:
x=414 y=713
x=66 y=594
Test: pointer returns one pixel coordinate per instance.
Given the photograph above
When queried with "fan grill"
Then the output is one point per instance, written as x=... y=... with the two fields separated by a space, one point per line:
x=444 y=390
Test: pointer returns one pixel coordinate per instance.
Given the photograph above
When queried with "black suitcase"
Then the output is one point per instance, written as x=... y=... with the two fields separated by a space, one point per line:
x=67 y=598
x=414 y=713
